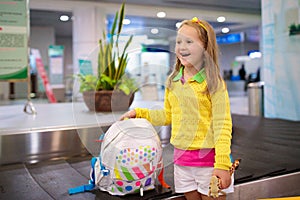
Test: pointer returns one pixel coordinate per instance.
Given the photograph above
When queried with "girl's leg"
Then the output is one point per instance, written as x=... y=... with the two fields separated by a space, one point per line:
x=193 y=195
x=221 y=197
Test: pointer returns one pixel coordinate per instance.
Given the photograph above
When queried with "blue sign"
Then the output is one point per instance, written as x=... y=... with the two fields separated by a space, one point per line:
x=230 y=38
x=85 y=67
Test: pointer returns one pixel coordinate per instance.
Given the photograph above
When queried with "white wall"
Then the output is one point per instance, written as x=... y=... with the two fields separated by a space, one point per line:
x=281 y=59
x=41 y=38
x=68 y=56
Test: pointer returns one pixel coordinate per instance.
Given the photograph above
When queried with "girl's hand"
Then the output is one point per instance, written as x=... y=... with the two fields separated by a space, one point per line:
x=225 y=177
x=129 y=114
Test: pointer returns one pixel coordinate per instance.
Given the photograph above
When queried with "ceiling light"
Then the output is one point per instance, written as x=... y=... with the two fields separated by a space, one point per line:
x=154 y=31
x=126 y=21
x=225 y=30
x=161 y=14
x=178 y=24
x=64 y=18
x=221 y=19
x=255 y=54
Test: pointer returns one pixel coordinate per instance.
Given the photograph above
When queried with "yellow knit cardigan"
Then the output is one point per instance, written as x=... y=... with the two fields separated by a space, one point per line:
x=199 y=120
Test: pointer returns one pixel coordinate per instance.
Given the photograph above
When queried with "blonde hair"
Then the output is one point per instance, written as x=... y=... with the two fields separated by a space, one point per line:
x=211 y=58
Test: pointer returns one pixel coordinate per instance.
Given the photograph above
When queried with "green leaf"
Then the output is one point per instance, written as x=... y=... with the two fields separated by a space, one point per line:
x=112 y=32
x=124 y=88
x=87 y=82
x=127 y=85
x=122 y=15
x=112 y=63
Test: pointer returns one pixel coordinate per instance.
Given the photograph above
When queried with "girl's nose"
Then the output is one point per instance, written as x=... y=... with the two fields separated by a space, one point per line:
x=182 y=45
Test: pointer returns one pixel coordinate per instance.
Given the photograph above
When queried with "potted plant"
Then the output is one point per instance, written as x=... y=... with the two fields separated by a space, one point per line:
x=294 y=29
x=111 y=89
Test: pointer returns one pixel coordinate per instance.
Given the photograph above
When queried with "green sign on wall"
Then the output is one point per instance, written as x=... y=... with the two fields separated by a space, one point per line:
x=14 y=29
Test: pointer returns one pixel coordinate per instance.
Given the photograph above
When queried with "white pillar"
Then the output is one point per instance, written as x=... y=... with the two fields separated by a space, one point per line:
x=281 y=60
x=88 y=23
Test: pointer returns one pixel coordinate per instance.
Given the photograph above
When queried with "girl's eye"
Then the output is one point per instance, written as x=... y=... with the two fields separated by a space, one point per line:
x=189 y=41
x=178 y=42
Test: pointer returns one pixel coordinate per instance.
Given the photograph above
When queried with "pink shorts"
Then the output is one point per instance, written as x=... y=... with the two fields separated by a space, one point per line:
x=188 y=179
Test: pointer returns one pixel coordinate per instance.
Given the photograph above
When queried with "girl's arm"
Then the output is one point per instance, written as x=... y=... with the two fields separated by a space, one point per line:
x=158 y=117
x=222 y=128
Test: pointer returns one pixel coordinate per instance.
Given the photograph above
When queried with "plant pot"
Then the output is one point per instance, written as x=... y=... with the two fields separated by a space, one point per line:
x=107 y=100
x=295 y=32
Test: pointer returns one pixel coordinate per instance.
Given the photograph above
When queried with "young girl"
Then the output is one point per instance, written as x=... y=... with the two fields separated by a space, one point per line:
x=197 y=105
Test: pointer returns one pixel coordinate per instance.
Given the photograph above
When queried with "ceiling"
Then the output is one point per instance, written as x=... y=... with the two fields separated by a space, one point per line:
x=244 y=6
x=64 y=29
x=51 y=18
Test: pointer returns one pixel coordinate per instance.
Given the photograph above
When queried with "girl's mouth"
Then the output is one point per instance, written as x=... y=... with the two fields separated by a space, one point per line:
x=185 y=54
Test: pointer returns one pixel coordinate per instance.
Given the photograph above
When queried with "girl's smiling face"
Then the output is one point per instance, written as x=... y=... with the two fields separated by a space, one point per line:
x=189 y=48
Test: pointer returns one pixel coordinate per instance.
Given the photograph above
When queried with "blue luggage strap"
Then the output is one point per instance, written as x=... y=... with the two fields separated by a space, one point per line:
x=103 y=169
x=87 y=187
x=82 y=188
